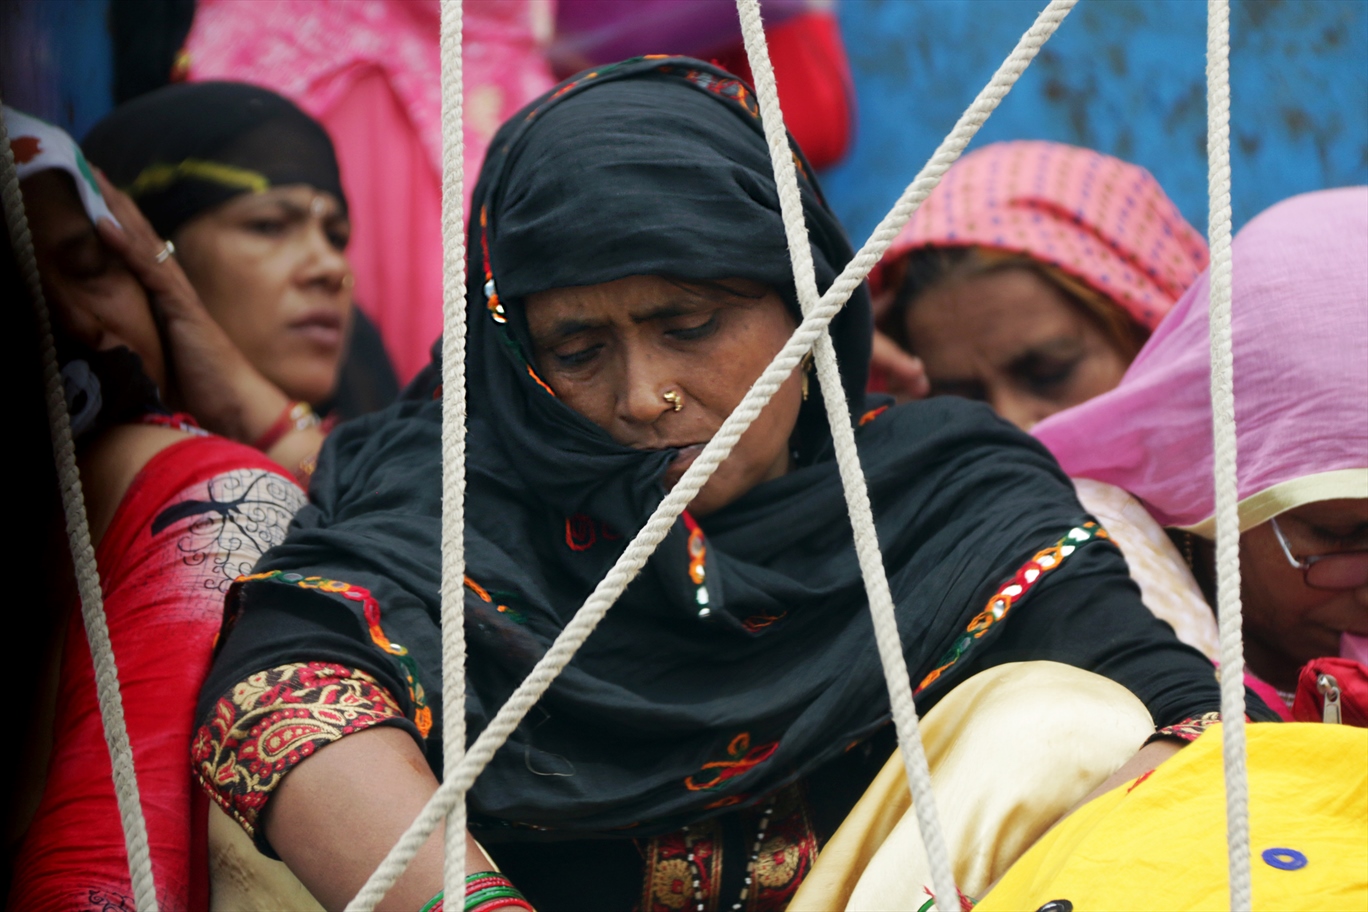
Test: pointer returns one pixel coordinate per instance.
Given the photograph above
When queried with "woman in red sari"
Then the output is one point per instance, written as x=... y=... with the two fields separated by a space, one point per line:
x=175 y=515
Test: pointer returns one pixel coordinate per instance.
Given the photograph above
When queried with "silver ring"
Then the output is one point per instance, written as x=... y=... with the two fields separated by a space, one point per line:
x=165 y=253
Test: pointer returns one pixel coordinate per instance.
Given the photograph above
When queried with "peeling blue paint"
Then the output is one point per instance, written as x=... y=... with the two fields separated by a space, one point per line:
x=1126 y=77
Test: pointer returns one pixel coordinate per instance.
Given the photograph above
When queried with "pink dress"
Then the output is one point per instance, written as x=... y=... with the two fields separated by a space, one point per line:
x=368 y=70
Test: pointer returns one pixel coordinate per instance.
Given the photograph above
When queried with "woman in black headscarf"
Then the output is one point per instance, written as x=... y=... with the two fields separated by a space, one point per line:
x=246 y=188
x=628 y=280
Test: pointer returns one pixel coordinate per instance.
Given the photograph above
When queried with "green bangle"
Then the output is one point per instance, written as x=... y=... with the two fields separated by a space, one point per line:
x=434 y=903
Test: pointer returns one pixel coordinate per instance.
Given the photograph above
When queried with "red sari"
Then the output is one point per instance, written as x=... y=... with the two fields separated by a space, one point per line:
x=200 y=513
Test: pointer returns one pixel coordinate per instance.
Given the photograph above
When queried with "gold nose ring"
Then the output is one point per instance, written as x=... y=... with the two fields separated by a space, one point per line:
x=676 y=401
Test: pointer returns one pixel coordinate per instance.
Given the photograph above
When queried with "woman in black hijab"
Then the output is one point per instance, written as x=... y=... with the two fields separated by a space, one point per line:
x=628 y=280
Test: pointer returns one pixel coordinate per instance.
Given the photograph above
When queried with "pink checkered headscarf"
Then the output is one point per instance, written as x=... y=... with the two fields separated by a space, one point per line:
x=1097 y=218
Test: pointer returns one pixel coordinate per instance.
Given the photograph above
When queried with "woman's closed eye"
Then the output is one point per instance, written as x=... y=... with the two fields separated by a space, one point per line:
x=1340 y=539
x=1045 y=374
x=693 y=329
x=572 y=357
x=85 y=259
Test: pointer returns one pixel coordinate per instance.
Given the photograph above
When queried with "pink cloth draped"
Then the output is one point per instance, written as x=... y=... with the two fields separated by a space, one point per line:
x=1103 y=221
x=368 y=70
x=1301 y=377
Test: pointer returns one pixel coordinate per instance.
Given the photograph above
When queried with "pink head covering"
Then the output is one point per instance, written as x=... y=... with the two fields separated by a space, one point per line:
x=1301 y=379
x=1105 y=222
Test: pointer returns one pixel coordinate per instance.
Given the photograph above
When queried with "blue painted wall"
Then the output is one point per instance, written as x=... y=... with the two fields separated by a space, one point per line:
x=1126 y=77
x=1122 y=76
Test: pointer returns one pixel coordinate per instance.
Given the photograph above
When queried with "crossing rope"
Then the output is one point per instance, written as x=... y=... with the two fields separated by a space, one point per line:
x=78 y=540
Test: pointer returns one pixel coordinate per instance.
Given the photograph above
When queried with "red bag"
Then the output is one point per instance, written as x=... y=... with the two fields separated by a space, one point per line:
x=1334 y=684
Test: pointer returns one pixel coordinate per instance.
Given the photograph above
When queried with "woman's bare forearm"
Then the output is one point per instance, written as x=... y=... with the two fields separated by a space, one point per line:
x=336 y=815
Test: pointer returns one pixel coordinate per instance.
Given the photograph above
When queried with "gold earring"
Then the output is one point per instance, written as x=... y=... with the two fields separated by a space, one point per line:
x=675 y=400
x=806 y=366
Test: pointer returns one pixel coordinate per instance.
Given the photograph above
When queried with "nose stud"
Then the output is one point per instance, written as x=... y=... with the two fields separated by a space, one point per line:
x=676 y=401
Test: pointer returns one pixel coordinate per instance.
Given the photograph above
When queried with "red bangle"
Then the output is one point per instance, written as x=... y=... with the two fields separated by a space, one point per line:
x=297 y=416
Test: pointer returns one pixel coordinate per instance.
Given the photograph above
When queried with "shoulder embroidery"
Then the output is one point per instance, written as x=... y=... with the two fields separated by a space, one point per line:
x=422 y=713
x=1012 y=591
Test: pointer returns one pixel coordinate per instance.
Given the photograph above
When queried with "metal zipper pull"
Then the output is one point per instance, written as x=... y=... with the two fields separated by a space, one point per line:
x=1329 y=689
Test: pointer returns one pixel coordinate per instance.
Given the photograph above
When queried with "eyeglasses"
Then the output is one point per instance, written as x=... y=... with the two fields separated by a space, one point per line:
x=1342 y=570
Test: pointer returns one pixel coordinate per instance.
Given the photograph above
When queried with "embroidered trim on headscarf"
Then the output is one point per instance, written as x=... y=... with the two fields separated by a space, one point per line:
x=1012 y=591
x=698 y=560
x=275 y=719
x=422 y=713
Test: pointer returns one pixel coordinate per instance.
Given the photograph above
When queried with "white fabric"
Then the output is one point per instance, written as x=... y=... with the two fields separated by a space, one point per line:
x=1167 y=586
x=39 y=146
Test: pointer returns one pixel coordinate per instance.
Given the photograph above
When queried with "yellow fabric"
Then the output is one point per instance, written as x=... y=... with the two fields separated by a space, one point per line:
x=1010 y=751
x=1161 y=844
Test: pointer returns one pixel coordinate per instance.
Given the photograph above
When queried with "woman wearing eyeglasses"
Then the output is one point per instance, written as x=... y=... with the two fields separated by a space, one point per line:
x=1301 y=395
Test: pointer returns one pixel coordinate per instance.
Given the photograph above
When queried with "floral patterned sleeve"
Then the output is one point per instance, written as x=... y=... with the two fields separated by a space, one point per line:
x=267 y=724
x=1188 y=730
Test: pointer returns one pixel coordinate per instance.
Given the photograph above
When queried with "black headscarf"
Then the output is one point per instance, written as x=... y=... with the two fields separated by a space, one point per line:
x=184 y=149
x=683 y=702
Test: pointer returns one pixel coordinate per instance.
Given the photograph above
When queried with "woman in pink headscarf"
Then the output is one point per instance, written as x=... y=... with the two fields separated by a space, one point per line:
x=1030 y=278
x=1301 y=381
x=1301 y=384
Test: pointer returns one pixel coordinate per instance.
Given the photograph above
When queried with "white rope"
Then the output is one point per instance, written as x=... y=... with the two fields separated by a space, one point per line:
x=453 y=440
x=865 y=534
x=636 y=554
x=82 y=553
x=1223 y=438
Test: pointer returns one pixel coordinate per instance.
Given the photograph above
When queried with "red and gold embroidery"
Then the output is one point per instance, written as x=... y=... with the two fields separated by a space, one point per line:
x=787 y=853
x=684 y=869
x=273 y=720
x=422 y=713
x=742 y=758
x=1013 y=591
x=1189 y=730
